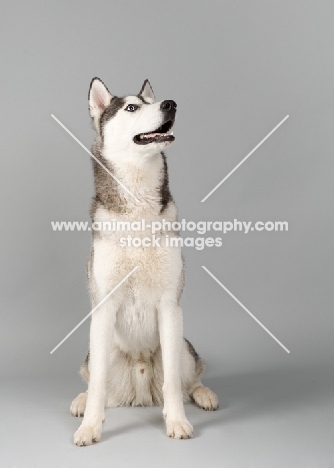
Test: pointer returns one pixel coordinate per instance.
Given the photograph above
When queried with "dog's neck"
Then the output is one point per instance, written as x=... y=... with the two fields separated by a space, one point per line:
x=146 y=178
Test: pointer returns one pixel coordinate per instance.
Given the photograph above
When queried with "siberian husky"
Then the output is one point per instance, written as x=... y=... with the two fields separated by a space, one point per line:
x=137 y=355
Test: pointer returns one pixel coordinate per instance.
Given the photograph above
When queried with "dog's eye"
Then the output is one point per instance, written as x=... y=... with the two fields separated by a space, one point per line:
x=131 y=107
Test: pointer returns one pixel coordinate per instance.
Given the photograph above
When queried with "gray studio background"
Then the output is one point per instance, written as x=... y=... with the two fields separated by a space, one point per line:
x=235 y=69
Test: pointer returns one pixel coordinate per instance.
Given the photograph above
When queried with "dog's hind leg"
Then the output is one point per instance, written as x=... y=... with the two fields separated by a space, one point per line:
x=78 y=405
x=203 y=396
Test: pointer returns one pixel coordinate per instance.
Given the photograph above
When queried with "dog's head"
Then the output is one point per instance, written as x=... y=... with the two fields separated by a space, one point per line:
x=131 y=124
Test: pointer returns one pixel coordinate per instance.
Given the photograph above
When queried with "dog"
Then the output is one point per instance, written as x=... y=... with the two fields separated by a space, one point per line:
x=137 y=354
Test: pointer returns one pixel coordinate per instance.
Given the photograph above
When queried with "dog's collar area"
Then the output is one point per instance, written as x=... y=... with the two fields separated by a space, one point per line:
x=157 y=136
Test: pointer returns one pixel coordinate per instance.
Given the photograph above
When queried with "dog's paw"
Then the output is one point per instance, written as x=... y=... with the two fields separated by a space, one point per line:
x=78 y=405
x=179 y=429
x=205 y=398
x=87 y=434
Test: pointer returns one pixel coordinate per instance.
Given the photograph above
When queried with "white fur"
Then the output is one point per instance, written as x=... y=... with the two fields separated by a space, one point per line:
x=119 y=132
x=138 y=331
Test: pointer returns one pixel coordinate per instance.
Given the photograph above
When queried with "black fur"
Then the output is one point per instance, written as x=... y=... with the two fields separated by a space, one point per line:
x=110 y=111
x=165 y=195
x=108 y=193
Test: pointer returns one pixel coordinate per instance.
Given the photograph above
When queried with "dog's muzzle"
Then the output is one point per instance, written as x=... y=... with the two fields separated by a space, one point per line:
x=161 y=134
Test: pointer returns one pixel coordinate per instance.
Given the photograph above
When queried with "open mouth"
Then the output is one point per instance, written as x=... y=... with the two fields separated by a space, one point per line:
x=157 y=136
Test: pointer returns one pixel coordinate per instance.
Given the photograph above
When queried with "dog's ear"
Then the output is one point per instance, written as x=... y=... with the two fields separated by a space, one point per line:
x=146 y=92
x=99 y=98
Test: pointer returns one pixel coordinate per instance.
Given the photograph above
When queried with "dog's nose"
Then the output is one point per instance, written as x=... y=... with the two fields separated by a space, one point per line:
x=168 y=105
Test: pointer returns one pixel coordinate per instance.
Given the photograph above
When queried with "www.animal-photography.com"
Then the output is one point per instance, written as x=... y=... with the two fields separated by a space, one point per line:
x=167 y=252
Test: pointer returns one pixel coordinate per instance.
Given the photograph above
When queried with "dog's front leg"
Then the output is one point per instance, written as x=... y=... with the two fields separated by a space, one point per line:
x=103 y=320
x=171 y=338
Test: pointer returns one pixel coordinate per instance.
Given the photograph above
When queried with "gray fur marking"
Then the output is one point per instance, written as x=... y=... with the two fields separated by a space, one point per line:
x=198 y=361
x=107 y=191
x=115 y=105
